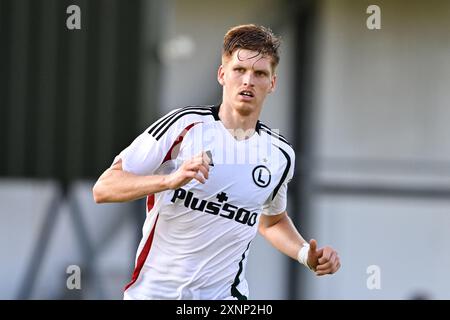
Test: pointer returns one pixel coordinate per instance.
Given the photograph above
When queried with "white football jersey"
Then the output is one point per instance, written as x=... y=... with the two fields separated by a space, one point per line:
x=196 y=239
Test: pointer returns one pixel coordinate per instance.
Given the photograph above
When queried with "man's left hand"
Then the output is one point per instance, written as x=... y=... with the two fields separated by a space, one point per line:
x=324 y=260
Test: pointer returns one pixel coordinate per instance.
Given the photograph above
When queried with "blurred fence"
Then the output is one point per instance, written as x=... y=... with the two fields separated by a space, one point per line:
x=68 y=98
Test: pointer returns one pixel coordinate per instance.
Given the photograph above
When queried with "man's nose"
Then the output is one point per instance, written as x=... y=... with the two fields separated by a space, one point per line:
x=248 y=79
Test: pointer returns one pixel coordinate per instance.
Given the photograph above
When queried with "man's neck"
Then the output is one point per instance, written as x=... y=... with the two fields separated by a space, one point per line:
x=237 y=122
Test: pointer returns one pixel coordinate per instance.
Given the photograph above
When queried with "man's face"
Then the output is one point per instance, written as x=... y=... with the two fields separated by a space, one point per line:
x=247 y=77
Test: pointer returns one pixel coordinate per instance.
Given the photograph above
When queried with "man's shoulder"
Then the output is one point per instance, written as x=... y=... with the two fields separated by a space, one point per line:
x=196 y=111
x=181 y=117
x=275 y=137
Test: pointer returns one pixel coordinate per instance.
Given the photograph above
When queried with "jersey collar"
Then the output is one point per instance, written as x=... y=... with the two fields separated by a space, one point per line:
x=215 y=112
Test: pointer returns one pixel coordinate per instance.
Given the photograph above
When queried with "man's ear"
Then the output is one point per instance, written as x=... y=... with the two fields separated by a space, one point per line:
x=273 y=84
x=220 y=75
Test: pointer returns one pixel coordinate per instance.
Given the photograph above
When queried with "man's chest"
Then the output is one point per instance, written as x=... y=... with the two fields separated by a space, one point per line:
x=244 y=174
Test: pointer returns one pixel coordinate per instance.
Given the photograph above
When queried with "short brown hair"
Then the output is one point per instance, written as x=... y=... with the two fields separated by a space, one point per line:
x=254 y=38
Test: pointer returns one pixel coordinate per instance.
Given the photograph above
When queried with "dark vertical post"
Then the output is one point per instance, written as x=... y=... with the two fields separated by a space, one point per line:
x=5 y=61
x=18 y=73
x=302 y=124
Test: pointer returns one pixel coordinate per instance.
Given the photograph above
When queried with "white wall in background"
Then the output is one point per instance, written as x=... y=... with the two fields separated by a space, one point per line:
x=382 y=112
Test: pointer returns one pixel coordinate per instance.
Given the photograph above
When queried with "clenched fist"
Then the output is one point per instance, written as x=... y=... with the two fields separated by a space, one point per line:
x=196 y=168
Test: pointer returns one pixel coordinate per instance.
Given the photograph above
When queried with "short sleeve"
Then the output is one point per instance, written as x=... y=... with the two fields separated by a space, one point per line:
x=143 y=156
x=277 y=201
x=147 y=152
x=156 y=145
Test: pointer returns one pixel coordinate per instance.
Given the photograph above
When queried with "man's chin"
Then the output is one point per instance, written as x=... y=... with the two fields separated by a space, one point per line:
x=245 y=108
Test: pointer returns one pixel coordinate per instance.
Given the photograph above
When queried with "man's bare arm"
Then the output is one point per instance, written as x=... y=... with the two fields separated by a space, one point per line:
x=282 y=234
x=117 y=185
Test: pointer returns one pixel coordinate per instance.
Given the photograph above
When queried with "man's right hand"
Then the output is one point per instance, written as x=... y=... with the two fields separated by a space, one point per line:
x=190 y=169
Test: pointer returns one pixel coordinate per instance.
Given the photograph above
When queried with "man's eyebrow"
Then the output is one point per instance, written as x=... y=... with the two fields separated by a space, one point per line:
x=238 y=65
x=243 y=66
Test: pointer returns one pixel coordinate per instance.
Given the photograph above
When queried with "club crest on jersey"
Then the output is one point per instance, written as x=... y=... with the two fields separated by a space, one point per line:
x=261 y=176
x=220 y=208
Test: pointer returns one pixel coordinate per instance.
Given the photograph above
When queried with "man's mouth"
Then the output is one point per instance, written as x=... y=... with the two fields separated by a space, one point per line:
x=247 y=93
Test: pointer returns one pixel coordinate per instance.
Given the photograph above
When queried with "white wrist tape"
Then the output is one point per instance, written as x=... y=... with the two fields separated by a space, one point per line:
x=302 y=255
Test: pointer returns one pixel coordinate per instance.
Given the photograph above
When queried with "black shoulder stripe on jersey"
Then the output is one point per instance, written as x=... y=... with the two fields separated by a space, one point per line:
x=276 y=135
x=178 y=116
x=161 y=122
x=164 y=124
x=269 y=132
x=263 y=126
x=234 y=291
x=285 y=172
x=280 y=136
